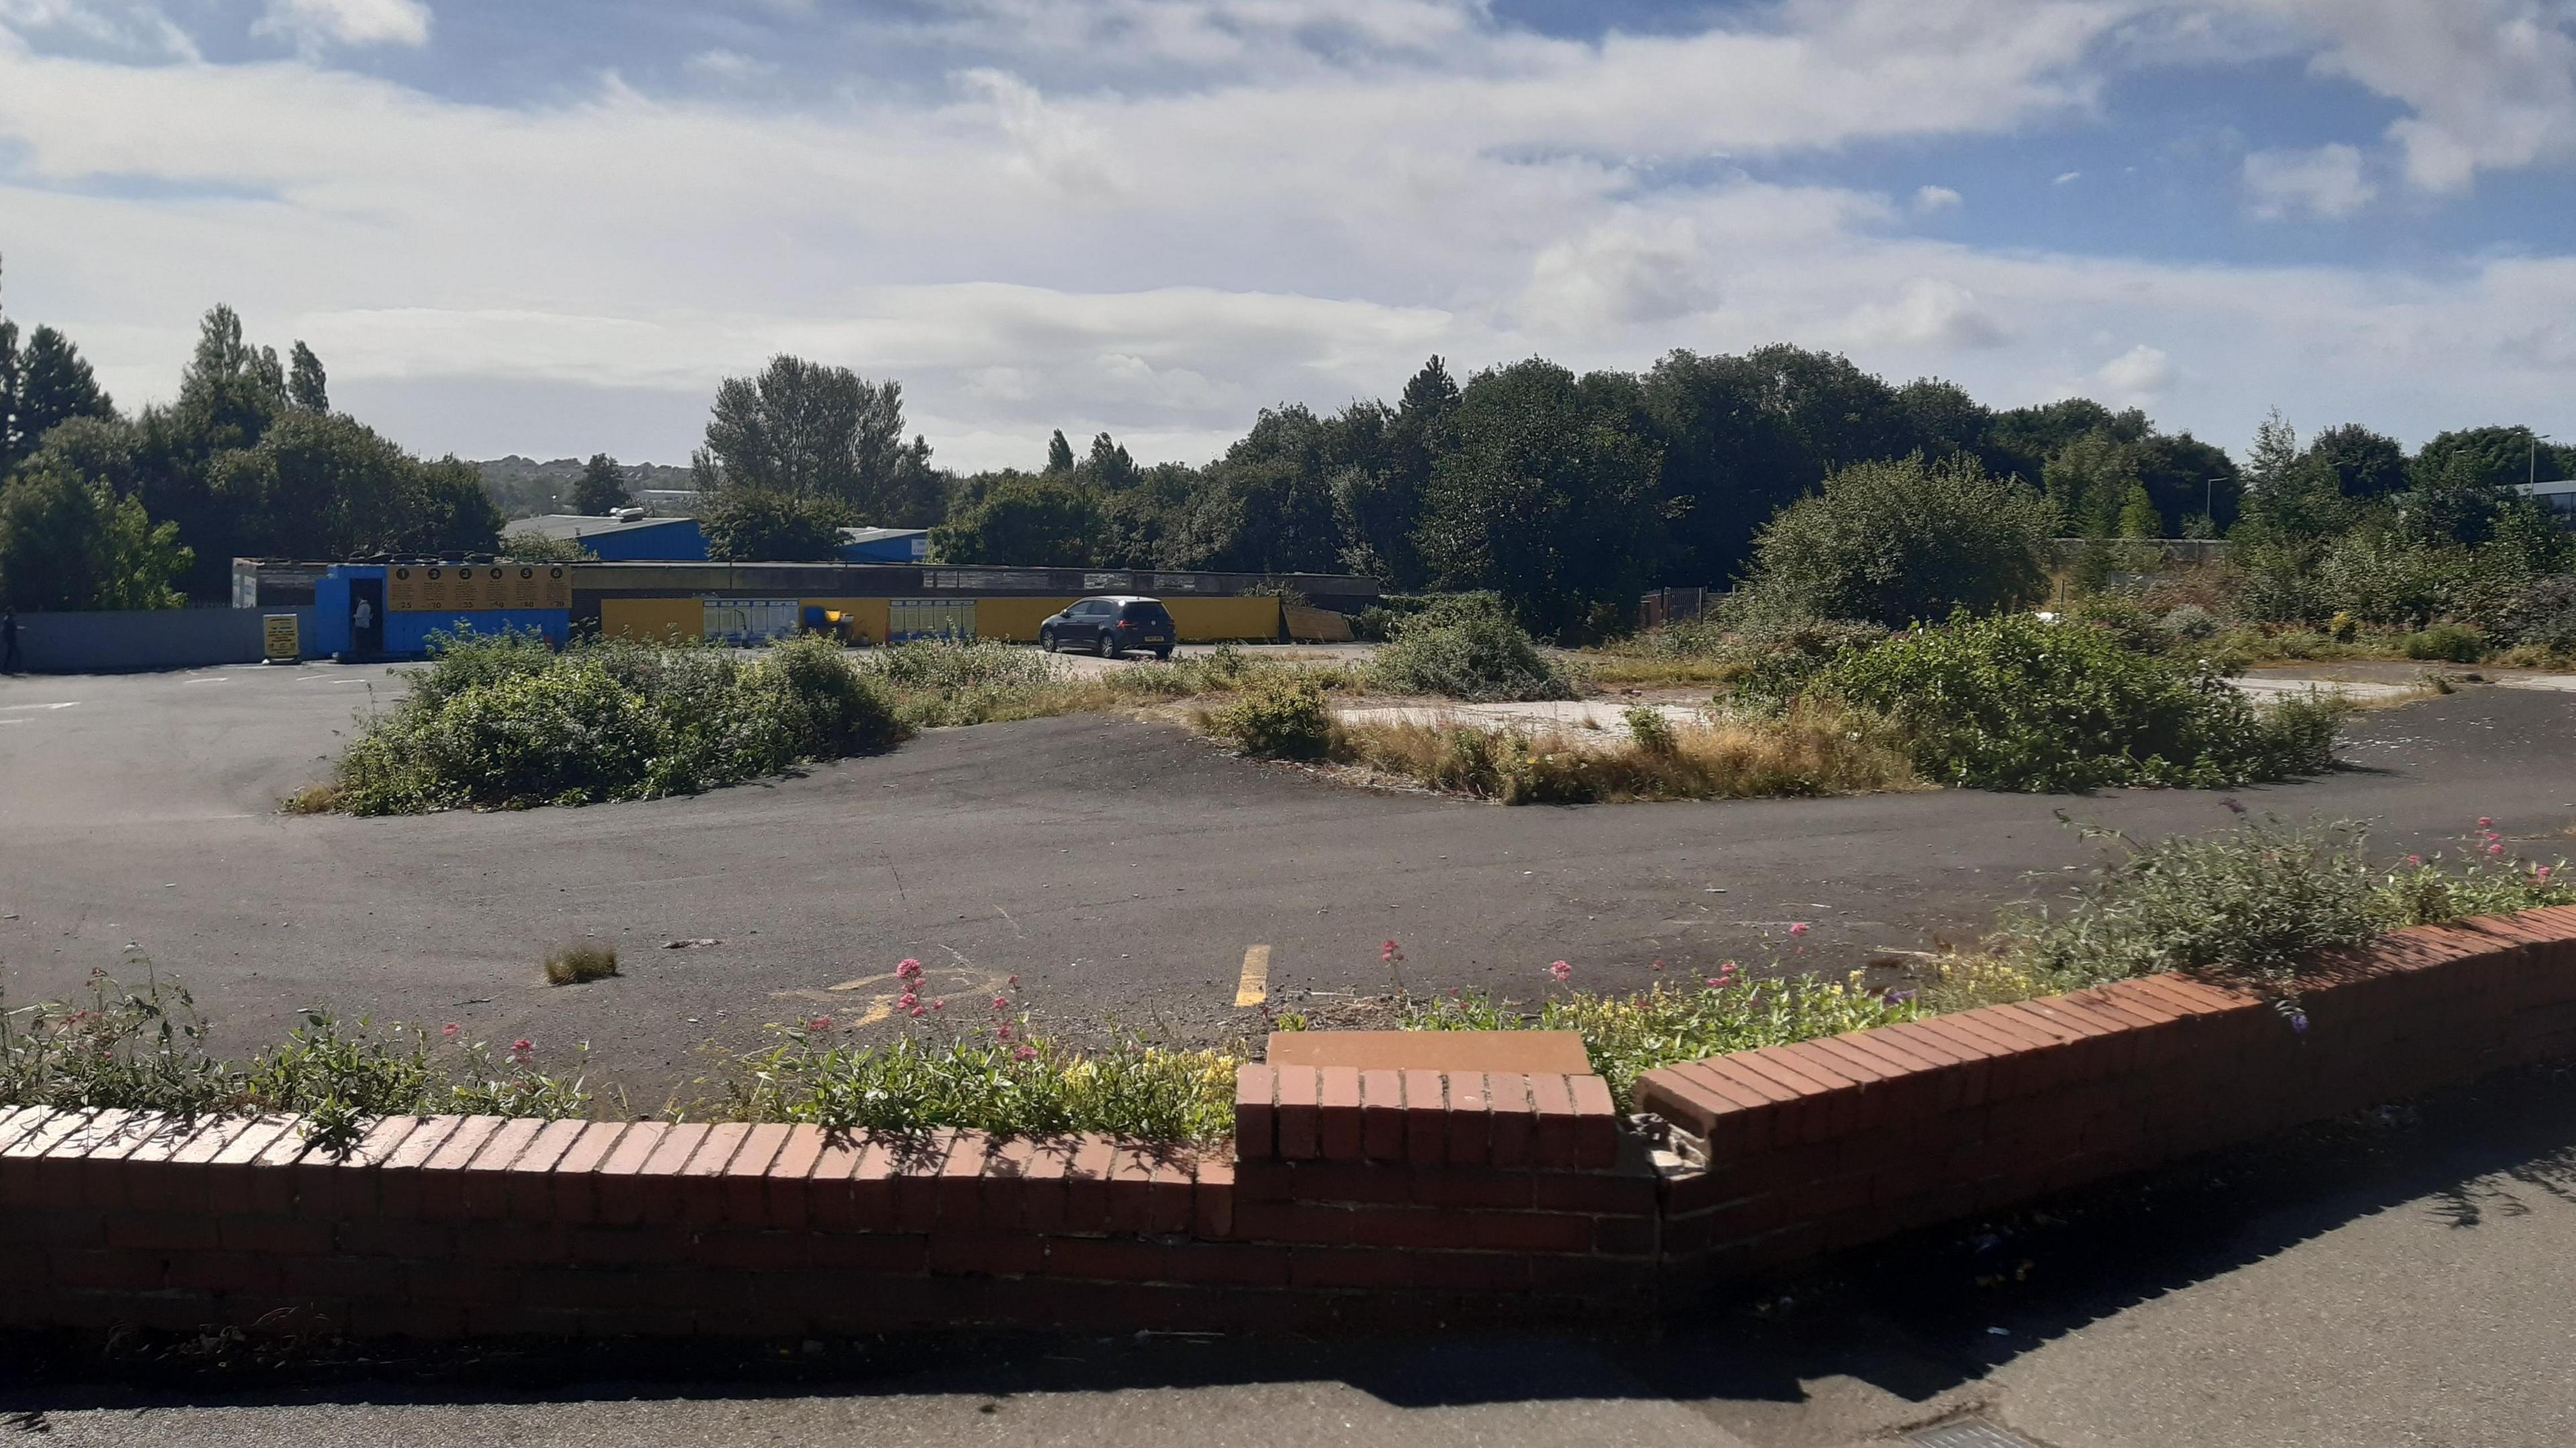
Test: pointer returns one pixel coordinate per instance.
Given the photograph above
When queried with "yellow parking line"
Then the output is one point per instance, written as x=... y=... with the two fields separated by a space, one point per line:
x=1254 y=988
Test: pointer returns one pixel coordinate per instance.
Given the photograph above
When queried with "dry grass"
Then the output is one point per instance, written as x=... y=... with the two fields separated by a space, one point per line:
x=320 y=798
x=580 y=964
x=1806 y=752
x=1605 y=670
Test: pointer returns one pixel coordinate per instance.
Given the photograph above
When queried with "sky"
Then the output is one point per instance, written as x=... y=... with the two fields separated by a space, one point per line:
x=551 y=228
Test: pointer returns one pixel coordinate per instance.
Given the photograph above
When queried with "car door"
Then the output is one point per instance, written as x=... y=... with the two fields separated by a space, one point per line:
x=1096 y=620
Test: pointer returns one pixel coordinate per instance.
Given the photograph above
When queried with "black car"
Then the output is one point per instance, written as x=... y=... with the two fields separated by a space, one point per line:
x=1111 y=625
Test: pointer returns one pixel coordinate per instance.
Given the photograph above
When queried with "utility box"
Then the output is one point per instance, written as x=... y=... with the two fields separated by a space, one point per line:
x=281 y=641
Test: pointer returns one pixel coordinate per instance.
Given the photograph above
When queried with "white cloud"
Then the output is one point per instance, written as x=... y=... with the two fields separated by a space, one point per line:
x=2324 y=182
x=313 y=23
x=1288 y=221
x=729 y=67
x=2142 y=373
x=2491 y=83
x=1929 y=312
x=2066 y=178
x=1619 y=274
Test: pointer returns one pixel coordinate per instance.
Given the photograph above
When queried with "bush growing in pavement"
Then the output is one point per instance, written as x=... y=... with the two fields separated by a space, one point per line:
x=2014 y=702
x=508 y=724
x=1283 y=718
x=1474 y=656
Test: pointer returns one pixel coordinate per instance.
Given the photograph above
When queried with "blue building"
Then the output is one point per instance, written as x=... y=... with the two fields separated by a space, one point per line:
x=389 y=610
x=622 y=539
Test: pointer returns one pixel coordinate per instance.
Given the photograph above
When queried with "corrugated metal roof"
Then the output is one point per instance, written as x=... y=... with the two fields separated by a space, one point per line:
x=584 y=525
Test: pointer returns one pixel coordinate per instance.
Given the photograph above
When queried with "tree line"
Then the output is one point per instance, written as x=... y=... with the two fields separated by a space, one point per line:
x=1565 y=493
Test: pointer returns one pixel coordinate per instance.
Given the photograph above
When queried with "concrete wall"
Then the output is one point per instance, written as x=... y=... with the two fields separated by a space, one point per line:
x=167 y=638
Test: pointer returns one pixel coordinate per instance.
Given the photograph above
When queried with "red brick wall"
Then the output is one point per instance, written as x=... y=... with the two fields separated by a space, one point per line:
x=1501 y=1188
x=1830 y=1143
x=1350 y=1197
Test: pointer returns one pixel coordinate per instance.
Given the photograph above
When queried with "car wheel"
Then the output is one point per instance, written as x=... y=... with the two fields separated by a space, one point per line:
x=1108 y=645
x=1046 y=639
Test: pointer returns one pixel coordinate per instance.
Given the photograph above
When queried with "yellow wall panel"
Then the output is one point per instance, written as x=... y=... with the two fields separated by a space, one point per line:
x=1015 y=619
x=652 y=618
x=1216 y=620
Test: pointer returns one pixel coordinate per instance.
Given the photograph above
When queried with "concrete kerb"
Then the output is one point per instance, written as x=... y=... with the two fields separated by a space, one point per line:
x=1351 y=1196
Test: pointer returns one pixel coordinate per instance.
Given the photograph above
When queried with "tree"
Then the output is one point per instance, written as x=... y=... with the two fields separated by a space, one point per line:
x=1549 y=498
x=306 y=385
x=447 y=509
x=806 y=430
x=69 y=543
x=1109 y=466
x=2138 y=516
x=2496 y=455
x=753 y=525
x=2366 y=464
x=1896 y=542
x=2292 y=497
x=55 y=385
x=2089 y=480
x=1059 y=454
x=12 y=444
x=1040 y=522
x=602 y=487
x=315 y=486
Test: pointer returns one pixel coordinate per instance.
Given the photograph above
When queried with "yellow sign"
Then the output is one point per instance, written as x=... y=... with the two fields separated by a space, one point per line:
x=474 y=588
x=281 y=641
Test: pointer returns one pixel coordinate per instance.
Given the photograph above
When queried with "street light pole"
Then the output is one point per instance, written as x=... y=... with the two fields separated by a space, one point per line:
x=2532 y=467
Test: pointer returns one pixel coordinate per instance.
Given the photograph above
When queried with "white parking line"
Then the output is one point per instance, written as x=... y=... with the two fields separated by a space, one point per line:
x=22 y=708
x=1254 y=987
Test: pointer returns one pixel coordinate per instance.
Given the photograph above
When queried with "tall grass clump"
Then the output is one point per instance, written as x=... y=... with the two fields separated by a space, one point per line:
x=505 y=723
x=942 y=684
x=143 y=1049
x=1628 y=1035
x=1280 y=719
x=1805 y=751
x=580 y=964
x=2015 y=702
x=1008 y=1082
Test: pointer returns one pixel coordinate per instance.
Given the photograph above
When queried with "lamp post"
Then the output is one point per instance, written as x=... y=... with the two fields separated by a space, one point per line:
x=2532 y=466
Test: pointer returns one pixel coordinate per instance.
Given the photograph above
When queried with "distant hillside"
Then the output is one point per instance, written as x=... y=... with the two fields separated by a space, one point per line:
x=525 y=487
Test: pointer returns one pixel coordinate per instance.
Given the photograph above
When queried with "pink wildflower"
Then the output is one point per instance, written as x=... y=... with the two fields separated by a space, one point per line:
x=1025 y=1053
x=819 y=1023
x=1562 y=971
x=1002 y=1031
x=1659 y=965
x=908 y=970
x=2414 y=859
x=917 y=1013
x=448 y=1030
x=2540 y=874
x=2485 y=823
x=1001 y=1003
x=939 y=1005
x=522 y=1050
x=1799 y=927
x=2495 y=849
x=1015 y=980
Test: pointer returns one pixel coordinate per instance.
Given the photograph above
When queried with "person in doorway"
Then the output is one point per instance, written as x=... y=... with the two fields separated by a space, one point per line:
x=363 y=616
x=10 y=663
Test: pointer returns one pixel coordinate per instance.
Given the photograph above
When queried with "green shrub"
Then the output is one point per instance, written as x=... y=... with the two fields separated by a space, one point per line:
x=2453 y=642
x=2188 y=622
x=2014 y=702
x=2542 y=614
x=1283 y=719
x=1474 y=656
x=2255 y=901
x=2122 y=617
x=504 y=723
x=1648 y=728
x=1901 y=540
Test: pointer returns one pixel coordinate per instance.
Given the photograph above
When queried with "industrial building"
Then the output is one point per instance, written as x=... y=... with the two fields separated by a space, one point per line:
x=390 y=609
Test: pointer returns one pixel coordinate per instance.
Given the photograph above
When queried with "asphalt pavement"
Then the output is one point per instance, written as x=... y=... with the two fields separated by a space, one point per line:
x=1122 y=869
